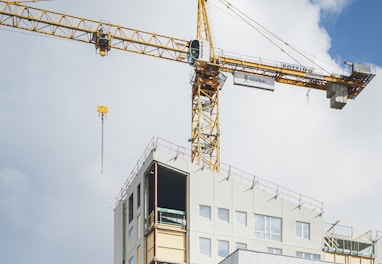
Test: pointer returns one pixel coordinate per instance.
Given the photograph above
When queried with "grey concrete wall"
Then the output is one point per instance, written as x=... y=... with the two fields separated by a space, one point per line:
x=118 y=233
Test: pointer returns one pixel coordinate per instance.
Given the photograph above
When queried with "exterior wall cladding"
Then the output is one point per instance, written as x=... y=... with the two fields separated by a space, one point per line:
x=224 y=211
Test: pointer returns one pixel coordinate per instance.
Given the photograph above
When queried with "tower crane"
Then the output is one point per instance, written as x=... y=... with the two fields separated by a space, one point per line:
x=200 y=53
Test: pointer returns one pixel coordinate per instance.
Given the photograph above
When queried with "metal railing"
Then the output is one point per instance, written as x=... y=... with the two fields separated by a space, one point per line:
x=350 y=240
x=251 y=180
x=167 y=216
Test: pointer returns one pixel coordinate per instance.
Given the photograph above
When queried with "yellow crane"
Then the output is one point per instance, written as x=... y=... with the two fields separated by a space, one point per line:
x=208 y=77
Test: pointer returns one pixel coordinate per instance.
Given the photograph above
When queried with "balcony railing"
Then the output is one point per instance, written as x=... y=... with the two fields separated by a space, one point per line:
x=167 y=216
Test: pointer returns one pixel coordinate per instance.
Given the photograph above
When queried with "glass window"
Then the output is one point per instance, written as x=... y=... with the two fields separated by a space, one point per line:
x=303 y=230
x=223 y=214
x=205 y=246
x=131 y=208
x=240 y=245
x=276 y=251
x=268 y=227
x=241 y=218
x=223 y=248
x=131 y=260
x=306 y=255
x=131 y=231
x=205 y=211
x=138 y=195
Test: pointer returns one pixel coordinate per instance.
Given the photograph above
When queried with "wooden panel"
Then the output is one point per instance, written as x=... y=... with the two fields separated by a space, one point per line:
x=329 y=257
x=171 y=239
x=366 y=261
x=171 y=246
x=340 y=259
x=355 y=260
x=149 y=248
x=139 y=255
x=347 y=259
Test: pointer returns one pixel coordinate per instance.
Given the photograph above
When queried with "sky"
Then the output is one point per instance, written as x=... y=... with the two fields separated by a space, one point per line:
x=354 y=32
x=56 y=206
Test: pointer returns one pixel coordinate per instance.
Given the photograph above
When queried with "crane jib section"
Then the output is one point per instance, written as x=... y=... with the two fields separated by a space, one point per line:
x=208 y=78
x=81 y=29
x=66 y=26
x=361 y=75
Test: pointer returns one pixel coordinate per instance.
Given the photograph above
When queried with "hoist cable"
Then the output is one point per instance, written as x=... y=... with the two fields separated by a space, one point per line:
x=248 y=20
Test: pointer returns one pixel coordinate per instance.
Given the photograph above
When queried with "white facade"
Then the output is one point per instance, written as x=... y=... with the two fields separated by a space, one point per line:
x=173 y=211
x=219 y=192
x=254 y=257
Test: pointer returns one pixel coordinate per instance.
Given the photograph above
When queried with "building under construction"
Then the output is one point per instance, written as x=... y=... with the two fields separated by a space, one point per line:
x=173 y=211
x=178 y=209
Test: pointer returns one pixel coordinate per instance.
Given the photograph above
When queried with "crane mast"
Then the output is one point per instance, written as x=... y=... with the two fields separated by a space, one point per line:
x=208 y=77
x=205 y=132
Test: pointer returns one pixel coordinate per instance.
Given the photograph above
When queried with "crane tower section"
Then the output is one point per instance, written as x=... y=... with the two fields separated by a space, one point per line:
x=208 y=77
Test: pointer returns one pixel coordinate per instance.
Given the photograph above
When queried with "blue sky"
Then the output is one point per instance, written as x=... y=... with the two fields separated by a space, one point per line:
x=56 y=206
x=356 y=32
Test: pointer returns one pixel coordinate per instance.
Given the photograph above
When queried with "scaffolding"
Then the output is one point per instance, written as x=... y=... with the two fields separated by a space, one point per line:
x=350 y=245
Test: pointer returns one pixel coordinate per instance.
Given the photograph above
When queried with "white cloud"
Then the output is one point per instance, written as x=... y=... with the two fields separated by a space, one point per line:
x=332 y=6
x=50 y=143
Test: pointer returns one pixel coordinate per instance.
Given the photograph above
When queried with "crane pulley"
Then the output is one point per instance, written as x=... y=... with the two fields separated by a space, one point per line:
x=200 y=53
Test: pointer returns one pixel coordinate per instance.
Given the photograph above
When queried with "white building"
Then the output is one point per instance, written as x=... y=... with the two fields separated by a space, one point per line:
x=174 y=211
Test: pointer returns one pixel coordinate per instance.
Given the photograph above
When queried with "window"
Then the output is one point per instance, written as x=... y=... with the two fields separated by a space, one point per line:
x=139 y=227
x=276 y=251
x=268 y=227
x=131 y=231
x=306 y=255
x=223 y=248
x=205 y=211
x=303 y=230
x=138 y=195
x=241 y=218
x=240 y=245
x=205 y=246
x=131 y=260
x=139 y=254
x=223 y=214
x=131 y=208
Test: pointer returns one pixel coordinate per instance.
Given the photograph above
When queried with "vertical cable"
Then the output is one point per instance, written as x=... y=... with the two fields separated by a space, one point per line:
x=102 y=118
x=102 y=112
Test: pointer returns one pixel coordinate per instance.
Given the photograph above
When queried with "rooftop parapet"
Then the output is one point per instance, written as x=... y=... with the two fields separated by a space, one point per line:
x=249 y=179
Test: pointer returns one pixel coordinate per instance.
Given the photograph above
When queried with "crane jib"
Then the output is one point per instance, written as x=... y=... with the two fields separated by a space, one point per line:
x=200 y=53
x=296 y=67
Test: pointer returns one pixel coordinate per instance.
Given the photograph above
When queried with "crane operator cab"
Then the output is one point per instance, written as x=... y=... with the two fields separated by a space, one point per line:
x=101 y=41
x=198 y=50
